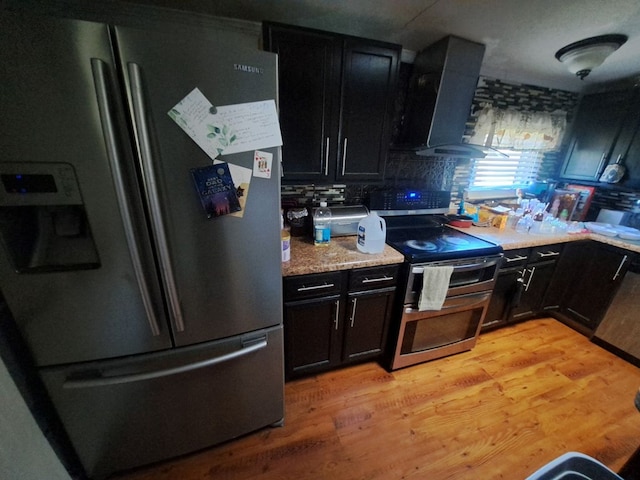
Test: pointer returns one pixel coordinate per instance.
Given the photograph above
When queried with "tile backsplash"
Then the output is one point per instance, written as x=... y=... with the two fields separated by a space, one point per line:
x=404 y=169
x=613 y=200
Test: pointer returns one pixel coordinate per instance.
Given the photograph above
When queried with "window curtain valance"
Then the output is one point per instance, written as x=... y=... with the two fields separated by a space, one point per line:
x=511 y=129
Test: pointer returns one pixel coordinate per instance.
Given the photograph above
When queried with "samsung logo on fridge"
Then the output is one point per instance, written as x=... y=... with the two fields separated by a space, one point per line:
x=248 y=68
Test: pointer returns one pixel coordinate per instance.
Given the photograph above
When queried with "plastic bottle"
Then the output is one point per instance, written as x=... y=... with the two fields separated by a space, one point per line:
x=372 y=232
x=524 y=224
x=564 y=215
x=322 y=225
x=285 y=238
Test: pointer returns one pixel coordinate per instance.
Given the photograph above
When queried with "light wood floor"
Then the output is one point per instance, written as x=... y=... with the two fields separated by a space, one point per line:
x=523 y=396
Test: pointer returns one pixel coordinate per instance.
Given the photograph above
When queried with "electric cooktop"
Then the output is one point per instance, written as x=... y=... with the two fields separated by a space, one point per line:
x=425 y=238
x=418 y=230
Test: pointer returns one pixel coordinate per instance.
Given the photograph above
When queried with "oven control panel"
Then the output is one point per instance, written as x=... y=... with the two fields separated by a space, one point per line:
x=407 y=199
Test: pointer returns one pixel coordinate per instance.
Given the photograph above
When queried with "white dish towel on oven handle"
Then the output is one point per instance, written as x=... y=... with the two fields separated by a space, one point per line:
x=435 y=283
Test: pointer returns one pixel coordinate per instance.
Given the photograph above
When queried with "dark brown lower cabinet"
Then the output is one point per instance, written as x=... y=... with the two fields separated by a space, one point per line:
x=312 y=338
x=367 y=324
x=586 y=280
x=522 y=282
x=506 y=292
x=535 y=282
x=335 y=318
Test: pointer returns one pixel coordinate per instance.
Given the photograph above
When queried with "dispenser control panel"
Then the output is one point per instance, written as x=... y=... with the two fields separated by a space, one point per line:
x=23 y=184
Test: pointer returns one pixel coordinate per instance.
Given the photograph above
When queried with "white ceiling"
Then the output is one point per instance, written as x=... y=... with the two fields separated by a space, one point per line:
x=521 y=36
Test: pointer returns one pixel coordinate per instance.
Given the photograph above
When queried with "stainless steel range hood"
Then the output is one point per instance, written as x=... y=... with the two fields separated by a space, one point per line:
x=460 y=150
x=439 y=99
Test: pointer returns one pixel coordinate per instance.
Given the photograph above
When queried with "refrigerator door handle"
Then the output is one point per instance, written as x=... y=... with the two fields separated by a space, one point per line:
x=101 y=381
x=148 y=171
x=100 y=79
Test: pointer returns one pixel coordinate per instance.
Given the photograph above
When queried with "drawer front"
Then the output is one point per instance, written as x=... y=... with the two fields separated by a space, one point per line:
x=373 y=278
x=546 y=253
x=515 y=258
x=313 y=285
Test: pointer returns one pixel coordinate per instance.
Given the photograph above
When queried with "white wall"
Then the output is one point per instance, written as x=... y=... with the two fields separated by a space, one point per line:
x=25 y=454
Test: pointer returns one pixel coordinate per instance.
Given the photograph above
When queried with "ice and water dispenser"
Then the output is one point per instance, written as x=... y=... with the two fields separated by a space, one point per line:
x=43 y=221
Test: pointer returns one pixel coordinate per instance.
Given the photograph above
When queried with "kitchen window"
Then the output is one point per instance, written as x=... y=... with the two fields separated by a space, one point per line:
x=520 y=140
x=518 y=167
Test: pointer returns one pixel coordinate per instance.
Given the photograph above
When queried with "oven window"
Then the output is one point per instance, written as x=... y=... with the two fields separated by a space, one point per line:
x=469 y=277
x=433 y=332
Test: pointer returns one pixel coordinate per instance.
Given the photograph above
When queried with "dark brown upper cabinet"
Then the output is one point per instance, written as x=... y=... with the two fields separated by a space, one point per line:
x=336 y=97
x=602 y=134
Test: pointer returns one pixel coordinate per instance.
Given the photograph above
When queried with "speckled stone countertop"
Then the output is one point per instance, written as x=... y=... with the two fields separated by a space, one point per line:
x=341 y=254
x=509 y=239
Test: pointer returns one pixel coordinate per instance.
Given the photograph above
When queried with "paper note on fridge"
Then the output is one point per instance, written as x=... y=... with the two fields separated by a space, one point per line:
x=230 y=128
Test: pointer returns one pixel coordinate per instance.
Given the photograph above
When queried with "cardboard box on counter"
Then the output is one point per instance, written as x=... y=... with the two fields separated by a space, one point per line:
x=494 y=216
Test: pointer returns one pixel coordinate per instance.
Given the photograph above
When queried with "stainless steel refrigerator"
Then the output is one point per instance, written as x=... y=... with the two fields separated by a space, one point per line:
x=157 y=331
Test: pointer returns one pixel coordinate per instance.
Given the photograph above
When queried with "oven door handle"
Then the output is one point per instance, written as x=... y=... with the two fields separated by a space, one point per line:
x=461 y=268
x=463 y=301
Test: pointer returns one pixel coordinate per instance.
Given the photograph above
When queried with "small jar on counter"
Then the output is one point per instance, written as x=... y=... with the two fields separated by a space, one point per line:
x=298 y=218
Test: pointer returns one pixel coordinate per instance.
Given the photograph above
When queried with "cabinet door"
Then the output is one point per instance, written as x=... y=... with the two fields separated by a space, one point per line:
x=508 y=288
x=631 y=156
x=568 y=267
x=596 y=284
x=597 y=125
x=536 y=280
x=505 y=295
x=368 y=92
x=367 y=324
x=309 y=81
x=313 y=335
x=588 y=275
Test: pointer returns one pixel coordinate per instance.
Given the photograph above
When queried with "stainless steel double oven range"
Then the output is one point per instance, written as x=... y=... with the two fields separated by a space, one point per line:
x=417 y=229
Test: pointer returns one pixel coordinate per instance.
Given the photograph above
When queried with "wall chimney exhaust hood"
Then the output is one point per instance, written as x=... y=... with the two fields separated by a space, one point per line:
x=439 y=98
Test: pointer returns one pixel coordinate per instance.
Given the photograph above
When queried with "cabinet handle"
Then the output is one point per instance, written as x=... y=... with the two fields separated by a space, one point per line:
x=533 y=270
x=548 y=254
x=379 y=279
x=515 y=259
x=601 y=164
x=326 y=157
x=353 y=311
x=620 y=268
x=315 y=287
x=344 y=156
x=336 y=319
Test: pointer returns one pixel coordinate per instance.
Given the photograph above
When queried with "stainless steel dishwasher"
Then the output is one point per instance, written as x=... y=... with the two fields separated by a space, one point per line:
x=620 y=327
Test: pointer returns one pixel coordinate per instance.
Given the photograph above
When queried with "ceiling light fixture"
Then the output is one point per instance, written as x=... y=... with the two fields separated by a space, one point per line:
x=583 y=56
